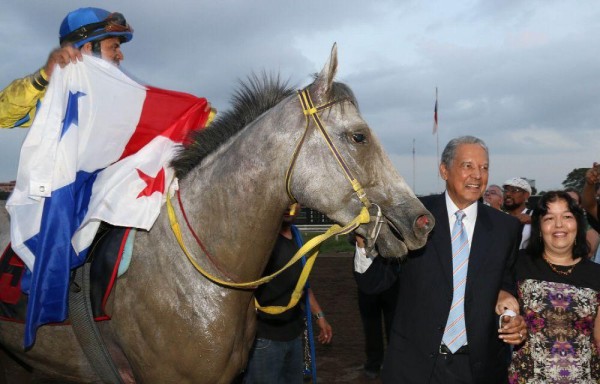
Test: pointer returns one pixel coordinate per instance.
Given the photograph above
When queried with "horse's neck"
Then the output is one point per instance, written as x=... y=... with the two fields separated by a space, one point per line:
x=235 y=200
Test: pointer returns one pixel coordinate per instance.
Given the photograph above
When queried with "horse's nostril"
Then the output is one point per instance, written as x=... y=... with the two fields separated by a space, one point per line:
x=422 y=222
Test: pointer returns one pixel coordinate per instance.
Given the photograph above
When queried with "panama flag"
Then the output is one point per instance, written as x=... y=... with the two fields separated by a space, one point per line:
x=98 y=150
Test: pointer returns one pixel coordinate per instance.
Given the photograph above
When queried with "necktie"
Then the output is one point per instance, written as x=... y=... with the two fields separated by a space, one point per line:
x=455 y=335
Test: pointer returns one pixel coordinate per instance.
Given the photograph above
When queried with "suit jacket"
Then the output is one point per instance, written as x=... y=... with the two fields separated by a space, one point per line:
x=425 y=296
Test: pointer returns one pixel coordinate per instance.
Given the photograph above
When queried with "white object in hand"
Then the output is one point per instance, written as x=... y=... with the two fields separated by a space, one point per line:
x=507 y=312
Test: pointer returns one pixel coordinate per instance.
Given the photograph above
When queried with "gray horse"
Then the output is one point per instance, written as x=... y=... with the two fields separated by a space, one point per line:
x=172 y=325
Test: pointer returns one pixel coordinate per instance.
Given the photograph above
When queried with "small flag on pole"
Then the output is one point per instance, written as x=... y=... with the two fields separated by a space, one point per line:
x=435 y=113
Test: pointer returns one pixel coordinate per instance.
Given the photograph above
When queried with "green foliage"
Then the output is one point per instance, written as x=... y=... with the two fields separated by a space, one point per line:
x=333 y=244
x=575 y=179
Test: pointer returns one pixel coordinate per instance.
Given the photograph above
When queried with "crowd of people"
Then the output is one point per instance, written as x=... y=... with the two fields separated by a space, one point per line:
x=502 y=292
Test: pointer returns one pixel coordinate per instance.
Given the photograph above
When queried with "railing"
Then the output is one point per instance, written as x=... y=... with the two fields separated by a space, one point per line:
x=313 y=227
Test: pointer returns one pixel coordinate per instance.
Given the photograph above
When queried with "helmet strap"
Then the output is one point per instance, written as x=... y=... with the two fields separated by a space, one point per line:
x=96 y=50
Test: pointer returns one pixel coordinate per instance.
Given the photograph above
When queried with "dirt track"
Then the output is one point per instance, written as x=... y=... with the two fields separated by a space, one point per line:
x=335 y=289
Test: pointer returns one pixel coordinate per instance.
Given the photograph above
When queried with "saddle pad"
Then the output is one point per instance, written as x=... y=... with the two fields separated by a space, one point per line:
x=13 y=304
x=105 y=255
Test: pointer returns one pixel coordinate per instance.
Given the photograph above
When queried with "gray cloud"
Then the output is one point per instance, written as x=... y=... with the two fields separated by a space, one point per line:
x=520 y=75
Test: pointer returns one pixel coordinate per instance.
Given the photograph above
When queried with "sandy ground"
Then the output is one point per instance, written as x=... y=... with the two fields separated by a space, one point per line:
x=335 y=289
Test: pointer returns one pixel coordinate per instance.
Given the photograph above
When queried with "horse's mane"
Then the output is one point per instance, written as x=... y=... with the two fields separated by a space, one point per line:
x=254 y=96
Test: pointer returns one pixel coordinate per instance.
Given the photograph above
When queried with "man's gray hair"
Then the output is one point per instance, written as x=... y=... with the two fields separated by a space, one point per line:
x=450 y=151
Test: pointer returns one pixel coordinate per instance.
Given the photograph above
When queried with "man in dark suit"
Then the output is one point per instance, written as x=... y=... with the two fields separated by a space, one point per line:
x=446 y=325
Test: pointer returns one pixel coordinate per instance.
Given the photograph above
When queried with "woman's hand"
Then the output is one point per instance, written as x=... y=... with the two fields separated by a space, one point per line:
x=513 y=330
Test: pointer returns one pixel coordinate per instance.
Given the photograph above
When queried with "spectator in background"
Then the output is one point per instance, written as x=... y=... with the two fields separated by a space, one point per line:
x=493 y=196
x=591 y=235
x=277 y=355
x=376 y=311
x=516 y=193
x=589 y=200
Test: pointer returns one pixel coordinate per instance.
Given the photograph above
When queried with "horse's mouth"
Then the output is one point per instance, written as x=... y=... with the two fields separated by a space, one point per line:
x=395 y=231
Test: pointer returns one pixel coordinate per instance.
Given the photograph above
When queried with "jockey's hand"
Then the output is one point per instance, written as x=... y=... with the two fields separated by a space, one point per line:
x=326 y=333
x=62 y=56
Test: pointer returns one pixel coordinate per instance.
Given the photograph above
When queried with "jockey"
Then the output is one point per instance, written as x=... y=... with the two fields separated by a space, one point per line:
x=91 y=31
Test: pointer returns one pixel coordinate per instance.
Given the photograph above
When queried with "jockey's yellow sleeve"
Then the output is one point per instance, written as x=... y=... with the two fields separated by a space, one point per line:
x=20 y=99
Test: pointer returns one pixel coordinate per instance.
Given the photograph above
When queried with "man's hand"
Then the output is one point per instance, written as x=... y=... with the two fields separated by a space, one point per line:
x=326 y=333
x=62 y=56
x=524 y=218
x=360 y=241
x=506 y=301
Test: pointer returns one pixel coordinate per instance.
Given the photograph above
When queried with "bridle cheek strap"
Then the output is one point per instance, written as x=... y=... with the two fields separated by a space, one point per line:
x=311 y=248
x=310 y=111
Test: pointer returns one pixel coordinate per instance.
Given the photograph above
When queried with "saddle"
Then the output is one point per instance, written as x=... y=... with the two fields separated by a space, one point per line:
x=106 y=253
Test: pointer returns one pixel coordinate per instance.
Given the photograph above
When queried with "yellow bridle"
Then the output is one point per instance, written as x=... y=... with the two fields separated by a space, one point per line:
x=312 y=245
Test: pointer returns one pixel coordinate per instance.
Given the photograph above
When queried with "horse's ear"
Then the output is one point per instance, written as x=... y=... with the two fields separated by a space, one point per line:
x=324 y=81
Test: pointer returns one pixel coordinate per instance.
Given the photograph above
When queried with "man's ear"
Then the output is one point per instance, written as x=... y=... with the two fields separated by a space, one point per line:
x=86 y=48
x=443 y=171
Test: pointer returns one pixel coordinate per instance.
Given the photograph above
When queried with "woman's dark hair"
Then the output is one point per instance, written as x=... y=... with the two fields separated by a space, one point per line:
x=535 y=247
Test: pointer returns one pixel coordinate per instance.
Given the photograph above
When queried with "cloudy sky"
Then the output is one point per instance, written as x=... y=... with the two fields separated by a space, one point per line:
x=521 y=75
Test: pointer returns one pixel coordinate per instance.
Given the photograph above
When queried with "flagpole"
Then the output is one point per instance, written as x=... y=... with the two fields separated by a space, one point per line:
x=437 y=138
x=437 y=157
x=414 y=162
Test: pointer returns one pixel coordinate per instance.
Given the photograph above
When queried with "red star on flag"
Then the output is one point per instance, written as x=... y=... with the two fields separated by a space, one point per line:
x=153 y=184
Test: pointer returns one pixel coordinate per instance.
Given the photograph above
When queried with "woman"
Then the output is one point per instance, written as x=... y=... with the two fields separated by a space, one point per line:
x=559 y=292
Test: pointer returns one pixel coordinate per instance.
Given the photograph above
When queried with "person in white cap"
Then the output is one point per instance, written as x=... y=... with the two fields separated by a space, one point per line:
x=516 y=193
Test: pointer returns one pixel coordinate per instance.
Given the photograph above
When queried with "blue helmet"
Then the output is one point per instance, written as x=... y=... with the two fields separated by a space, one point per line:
x=90 y=24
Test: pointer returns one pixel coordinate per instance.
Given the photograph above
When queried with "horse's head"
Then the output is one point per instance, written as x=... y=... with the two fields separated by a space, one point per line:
x=406 y=221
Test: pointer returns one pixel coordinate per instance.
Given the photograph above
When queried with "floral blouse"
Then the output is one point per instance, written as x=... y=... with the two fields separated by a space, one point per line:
x=559 y=310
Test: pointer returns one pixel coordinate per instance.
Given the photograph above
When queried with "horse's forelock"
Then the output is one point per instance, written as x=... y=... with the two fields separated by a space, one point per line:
x=254 y=96
x=338 y=91
x=341 y=91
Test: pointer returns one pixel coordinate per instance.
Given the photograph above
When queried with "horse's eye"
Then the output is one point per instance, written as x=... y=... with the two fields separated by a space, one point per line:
x=359 y=138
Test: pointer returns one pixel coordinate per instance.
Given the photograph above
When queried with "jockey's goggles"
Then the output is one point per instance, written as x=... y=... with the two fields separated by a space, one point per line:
x=115 y=22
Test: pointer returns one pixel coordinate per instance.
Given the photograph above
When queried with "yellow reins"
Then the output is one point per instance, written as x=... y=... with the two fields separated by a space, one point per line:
x=313 y=243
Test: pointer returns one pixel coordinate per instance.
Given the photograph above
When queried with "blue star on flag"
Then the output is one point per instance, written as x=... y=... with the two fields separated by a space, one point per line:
x=72 y=112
